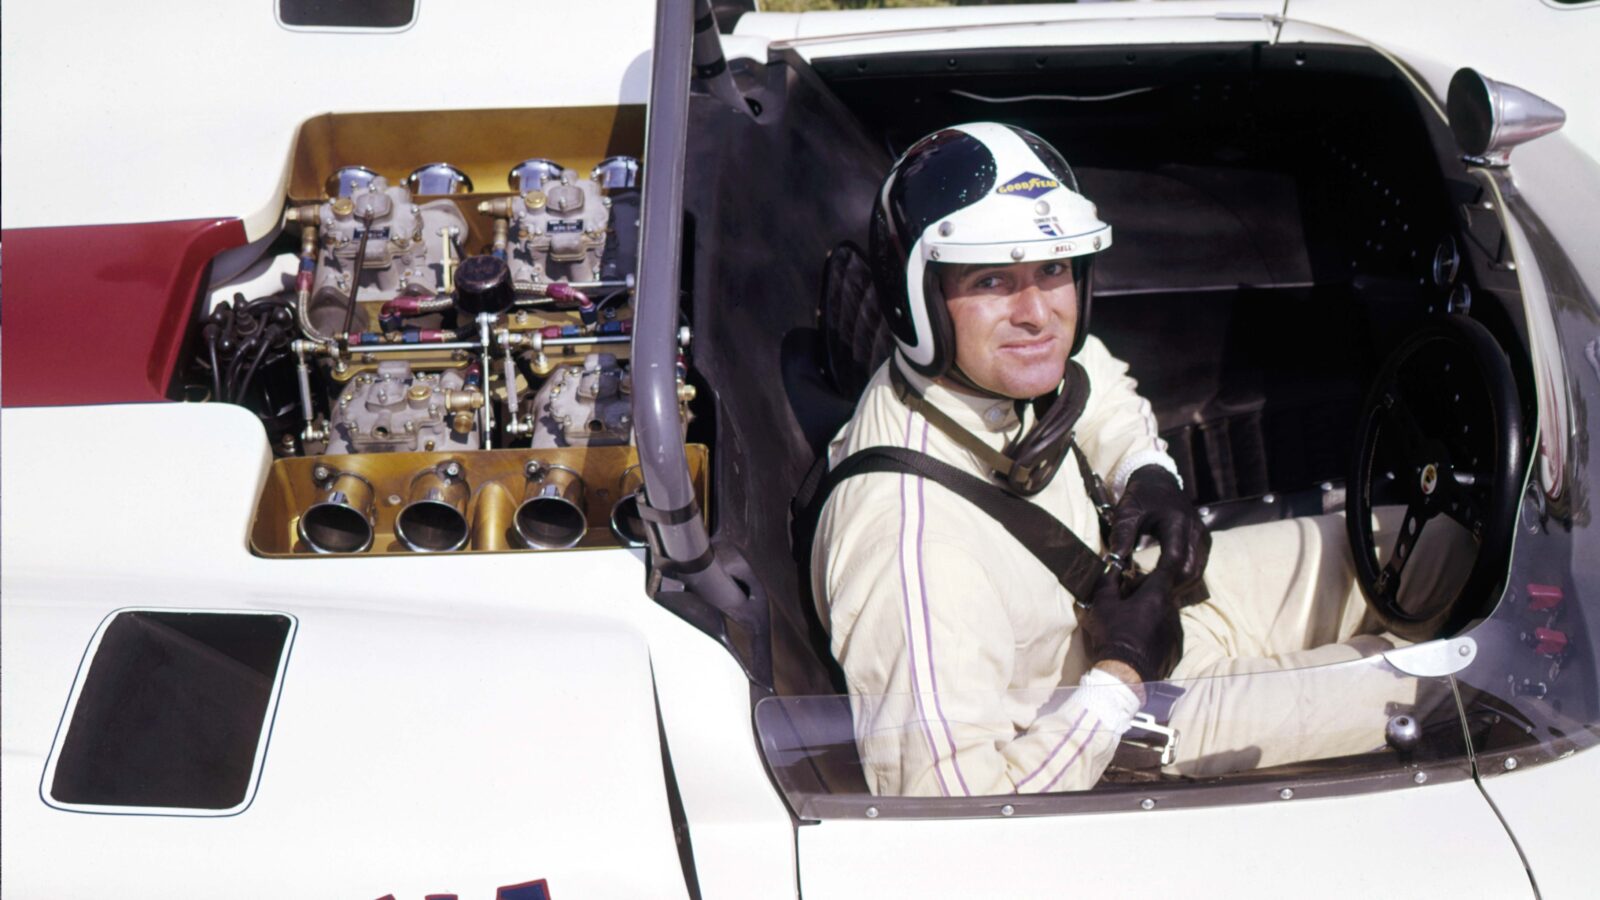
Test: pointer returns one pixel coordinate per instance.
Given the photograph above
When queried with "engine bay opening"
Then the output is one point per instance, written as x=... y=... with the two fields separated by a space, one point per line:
x=444 y=283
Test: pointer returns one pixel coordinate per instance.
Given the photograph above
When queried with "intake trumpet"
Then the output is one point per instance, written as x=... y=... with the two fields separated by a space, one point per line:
x=434 y=519
x=551 y=515
x=626 y=523
x=341 y=520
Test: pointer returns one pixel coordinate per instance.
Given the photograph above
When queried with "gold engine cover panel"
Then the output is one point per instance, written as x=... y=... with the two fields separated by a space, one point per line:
x=496 y=480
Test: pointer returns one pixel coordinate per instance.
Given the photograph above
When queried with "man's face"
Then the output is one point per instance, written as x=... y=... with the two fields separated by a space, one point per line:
x=1014 y=323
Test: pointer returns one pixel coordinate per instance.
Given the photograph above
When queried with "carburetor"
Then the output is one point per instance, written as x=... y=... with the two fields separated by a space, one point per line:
x=581 y=406
x=554 y=229
x=398 y=409
x=408 y=245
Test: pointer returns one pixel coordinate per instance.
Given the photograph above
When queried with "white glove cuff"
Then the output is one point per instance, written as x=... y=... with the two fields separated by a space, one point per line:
x=1110 y=699
x=1133 y=462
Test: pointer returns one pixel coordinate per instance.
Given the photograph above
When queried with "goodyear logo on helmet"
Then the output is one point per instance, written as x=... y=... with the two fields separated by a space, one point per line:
x=1028 y=184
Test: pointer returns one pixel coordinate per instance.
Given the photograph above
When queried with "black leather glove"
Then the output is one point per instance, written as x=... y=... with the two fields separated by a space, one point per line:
x=1133 y=621
x=1153 y=503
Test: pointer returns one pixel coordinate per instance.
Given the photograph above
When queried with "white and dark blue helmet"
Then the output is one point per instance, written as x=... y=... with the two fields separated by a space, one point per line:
x=977 y=193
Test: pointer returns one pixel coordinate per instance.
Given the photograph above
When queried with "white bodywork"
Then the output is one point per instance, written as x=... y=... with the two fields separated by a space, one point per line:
x=455 y=724
x=451 y=723
x=102 y=123
x=1450 y=843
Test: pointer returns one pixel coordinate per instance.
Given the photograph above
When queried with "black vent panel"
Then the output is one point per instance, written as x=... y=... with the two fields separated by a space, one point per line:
x=171 y=712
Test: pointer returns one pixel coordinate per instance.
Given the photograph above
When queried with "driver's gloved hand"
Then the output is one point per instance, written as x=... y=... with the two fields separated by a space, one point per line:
x=1133 y=621
x=1152 y=503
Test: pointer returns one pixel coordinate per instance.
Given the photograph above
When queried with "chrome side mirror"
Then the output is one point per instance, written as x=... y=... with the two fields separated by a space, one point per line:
x=1489 y=118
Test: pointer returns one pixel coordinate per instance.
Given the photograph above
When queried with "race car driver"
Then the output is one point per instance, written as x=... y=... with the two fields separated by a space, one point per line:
x=974 y=667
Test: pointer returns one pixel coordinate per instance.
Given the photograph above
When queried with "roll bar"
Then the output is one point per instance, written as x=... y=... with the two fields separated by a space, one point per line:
x=681 y=544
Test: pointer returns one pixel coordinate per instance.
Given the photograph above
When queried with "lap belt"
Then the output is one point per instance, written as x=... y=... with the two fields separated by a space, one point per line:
x=1150 y=730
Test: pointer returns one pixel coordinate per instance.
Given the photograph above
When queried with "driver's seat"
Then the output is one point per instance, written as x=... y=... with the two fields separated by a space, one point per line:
x=826 y=369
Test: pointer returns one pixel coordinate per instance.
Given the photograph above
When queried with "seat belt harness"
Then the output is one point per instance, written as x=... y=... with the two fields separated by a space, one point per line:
x=1067 y=557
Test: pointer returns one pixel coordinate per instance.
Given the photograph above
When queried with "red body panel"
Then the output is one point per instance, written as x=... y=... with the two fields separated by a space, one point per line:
x=97 y=314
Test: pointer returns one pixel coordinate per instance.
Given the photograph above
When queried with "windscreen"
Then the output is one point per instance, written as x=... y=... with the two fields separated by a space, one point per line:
x=1364 y=724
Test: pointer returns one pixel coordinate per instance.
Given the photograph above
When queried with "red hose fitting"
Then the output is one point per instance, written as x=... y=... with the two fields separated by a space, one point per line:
x=560 y=290
x=405 y=305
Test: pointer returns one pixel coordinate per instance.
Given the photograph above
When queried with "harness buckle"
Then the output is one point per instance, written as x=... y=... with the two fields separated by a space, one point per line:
x=1161 y=739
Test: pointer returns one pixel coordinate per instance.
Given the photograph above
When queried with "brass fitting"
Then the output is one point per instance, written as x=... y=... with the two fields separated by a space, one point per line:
x=463 y=401
x=499 y=207
x=304 y=214
x=310 y=348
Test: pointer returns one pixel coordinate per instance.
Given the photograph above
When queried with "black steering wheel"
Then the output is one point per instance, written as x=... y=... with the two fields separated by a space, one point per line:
x=1441 y=435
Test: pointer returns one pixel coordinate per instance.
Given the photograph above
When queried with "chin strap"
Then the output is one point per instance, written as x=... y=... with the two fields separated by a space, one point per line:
x=1030 y=463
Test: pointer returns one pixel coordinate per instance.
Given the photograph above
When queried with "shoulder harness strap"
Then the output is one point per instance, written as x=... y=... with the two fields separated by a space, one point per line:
x=1075 y=566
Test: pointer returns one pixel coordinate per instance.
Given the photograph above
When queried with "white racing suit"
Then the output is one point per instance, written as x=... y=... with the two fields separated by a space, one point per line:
x=957 y=643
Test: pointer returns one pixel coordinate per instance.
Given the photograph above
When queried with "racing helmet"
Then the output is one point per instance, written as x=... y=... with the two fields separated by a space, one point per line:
x=977 y=193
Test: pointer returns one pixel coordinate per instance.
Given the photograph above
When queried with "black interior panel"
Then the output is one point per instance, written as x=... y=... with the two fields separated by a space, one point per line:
x=1275 y=213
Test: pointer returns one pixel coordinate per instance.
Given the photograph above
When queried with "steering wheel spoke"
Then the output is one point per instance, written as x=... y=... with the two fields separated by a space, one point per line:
x=1401 y=423
x=1463 y=501
x=1417 y=515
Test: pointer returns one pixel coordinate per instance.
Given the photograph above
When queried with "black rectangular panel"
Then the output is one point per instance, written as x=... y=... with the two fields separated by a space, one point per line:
x=171 y=711
x=347 y=13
